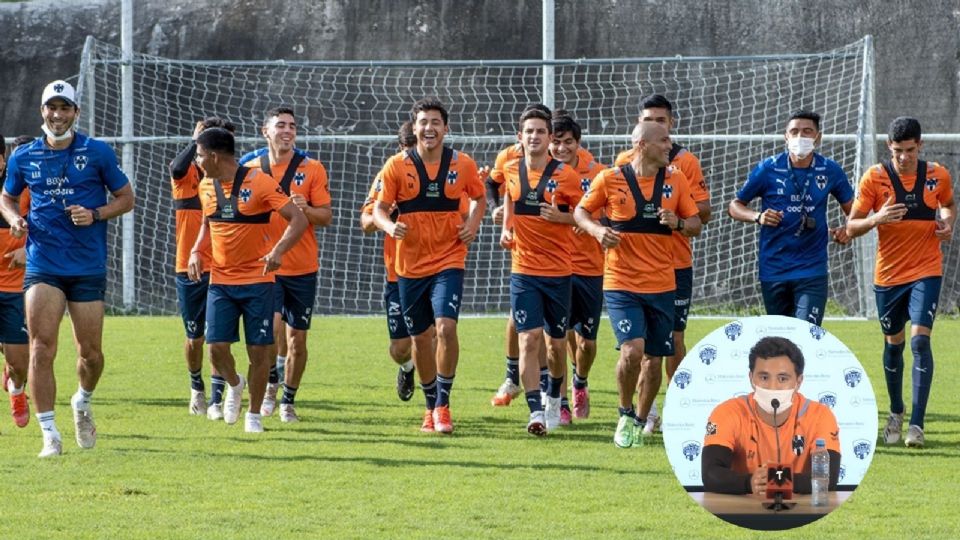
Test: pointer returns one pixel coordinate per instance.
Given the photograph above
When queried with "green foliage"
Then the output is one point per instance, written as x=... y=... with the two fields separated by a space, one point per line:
x=357 y=466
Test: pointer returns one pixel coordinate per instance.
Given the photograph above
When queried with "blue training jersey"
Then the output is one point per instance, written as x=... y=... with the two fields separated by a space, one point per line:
x=784 y=253
x=259 y=152
x=81 y=174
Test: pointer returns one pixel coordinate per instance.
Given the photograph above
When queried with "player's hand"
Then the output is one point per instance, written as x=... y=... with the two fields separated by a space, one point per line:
x=506 y=239
x=668 y=218
x=607 y=237
x=551 y=212
x=890 y=212
x=194 y=266
x=271 y=262
x=18 y=228
x=197 y=129
x=943 y=231
x=497 y=215
x=299 y=200
x=771 y=218
x=840 y=235
x=80 y=216
x=466 y=234
x=579 y=231
x=398 y=230
x=17 y=257
x=483 y=173
x=758 y=481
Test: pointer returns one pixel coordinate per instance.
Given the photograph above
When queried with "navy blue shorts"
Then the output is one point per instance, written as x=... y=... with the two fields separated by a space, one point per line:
x=424 y=300
x=916 y=301
x=681 y=300
x=192 y=301
x=75 y=288
x=586 y=305
x=803 y=299
x=293 y=298
x=13 y=326
x=391 y=304
x=225 y=305
x=640 y=315
x=540 y=302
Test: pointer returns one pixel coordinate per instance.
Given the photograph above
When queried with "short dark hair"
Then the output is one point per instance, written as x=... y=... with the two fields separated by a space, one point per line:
x=22 y=139
x=904 y=128
x=217 y=140
x=216 y=121
x=564 y=123
x=405 y=136
x=530 y=114
x=277 y=111
x=804 y=114
x=656 y=101
x=430 y=104
x=537 y=106
x=772 y=346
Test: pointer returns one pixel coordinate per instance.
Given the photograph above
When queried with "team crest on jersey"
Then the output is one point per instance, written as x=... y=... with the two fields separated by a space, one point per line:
x=817 y=332
x=799 y=442
x=585 y=185
x=711 y=428
x=520 y=316
x=667 y=191
x=691 y=449
x=378 y=186
x=392 y=323
x=821 y=181
x=80 y=162
x=682 y=378
x=245 y=194
x=828 y=398
x=551 y=185
x=408 y=322
x=299 y=177
x=861 y=449
x=708 y=354
x=733 y=330
x=624 y=325
x=931 y=184
x=852 y=377
x=452 y=177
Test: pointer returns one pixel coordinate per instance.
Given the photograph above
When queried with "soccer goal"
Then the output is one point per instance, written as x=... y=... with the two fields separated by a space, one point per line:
x=730 y=112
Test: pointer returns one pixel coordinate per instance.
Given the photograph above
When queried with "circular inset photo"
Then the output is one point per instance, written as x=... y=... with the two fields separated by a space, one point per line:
x=770 y=422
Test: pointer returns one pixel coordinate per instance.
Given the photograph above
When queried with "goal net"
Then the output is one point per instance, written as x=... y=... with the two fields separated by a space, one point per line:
x=730 y=113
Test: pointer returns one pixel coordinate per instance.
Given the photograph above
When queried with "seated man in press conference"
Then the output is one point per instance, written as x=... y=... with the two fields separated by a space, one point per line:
x=742 y=438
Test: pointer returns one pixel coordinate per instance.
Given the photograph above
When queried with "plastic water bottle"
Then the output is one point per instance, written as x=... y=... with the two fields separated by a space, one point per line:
x=820 y=474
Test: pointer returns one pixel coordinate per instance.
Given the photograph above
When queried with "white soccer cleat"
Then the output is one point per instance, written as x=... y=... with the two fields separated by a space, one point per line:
x=894 y=428
x=537 y=426
x=653 y=423
x=288 y=414
x=914 y=436
x=233 y=401
x=253 y=423
x=86 y=430
x=51 y=447
x=215 y=411
x=269 y=399
x=551 y=413
x=198 y=402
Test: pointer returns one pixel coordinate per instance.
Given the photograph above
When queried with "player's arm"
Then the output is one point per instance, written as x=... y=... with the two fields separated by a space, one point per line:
x=506 y=230
x=17 y=258
x=318 y=216
x=839 y=234
x=860 y=221
x=753 y=188
x=201 y=245
x=689 y=225
x=366 y=217
x=296 y=224
x=122 y=202
x=467 y=231
x=716 y=469
x=180 y=165
x=947 y=218
x=10 y=208
x=704 y=212
x=607 y=237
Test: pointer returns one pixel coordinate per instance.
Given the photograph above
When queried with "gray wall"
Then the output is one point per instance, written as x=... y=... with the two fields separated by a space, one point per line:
x=917 y=42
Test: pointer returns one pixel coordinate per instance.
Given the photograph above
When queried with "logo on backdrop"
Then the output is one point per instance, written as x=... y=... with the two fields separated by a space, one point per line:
x=852 y=376
x=691 y=449
x=708 y=354
x=828 y=398
x=733 y=330
x=682 y=378
x=817 y=332
x=861 y=448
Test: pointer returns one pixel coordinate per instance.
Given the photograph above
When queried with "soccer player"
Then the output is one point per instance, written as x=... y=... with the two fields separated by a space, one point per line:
x=538 y=230
x=793 y=188
x=304 y=179
x=427 y=185
x=657 y=108
x=14 y=342
x=586 y=260
x=192 y=295
x=913 y=212
x=237 y=203
x=742 y=432
x=645 y=201
x=400 y=342
x=68 y=175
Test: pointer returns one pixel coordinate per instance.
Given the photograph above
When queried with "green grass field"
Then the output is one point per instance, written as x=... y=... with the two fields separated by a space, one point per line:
x=357 y=466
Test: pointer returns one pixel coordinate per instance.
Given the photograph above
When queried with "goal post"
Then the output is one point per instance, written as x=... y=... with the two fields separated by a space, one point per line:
x=730 y=112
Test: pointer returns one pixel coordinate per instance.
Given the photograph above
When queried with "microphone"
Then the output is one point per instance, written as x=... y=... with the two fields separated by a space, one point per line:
x=779 y=476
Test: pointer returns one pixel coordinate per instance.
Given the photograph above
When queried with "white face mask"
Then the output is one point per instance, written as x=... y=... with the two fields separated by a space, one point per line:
x=763 y=397
x=800 y=147
x=59 y=138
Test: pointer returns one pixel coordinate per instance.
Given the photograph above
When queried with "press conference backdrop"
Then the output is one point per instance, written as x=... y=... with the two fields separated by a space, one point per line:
x=716 y=369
